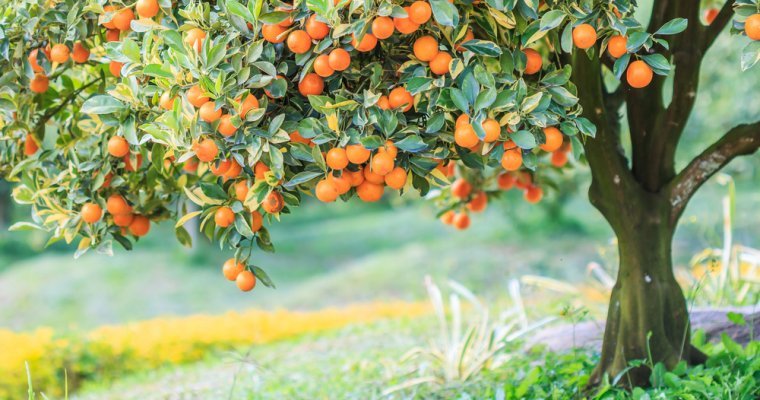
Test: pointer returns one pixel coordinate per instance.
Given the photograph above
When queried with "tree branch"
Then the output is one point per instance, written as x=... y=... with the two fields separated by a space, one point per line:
x=51 y=112
x=741 y=140
x=717 y=26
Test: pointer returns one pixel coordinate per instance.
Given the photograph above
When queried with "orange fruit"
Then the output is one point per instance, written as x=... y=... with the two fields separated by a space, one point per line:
x=461 y=189
x=206 y=150
x=372 y=177
x=553 y=139
x=382 y=163
x=326 y=191
x=312 y=84
x=226 y=127
x=339 y=59
x=639 y=74
x=30 y=145
x=382 y=27
x=400 y=97
x=224 y=217
x=369 y=192
x=249 y=103
x=559 y=159
x=316 y=29
x=117 y=205
x=584 y=36
x=273 y=33
x=710 y=15
x=355 y=178
x=420 y=12
x=461 y=221
x=511 y=160
x=273 y=203
x=122 y=19
x=231 y=269
x=115 y=68
x=493 y=130
x=59 y=53
x=506 y=181
x=299 y=41
x=260 y=170
x=241 y=190
x=80 y=54
x=109 y=9
x=123 y=220
x=289 y=20
x=195 y=96
x=91 y=213
x=616 y=47
x=257 y=221
x=128 y=163
x=209 y=113
x=36 y=67
x=166 y=102
x=140 y=225
x=533 y=194
x=147 y=8
x=357 y=153
x=113 y=35
x=191 y=165
x=246 y=281
x=425 y=48
x=342 y=183
x=389 y=148
x=465 y=136
x=448 y=217
x=752 y=26
x=233 y=172
x=439 y=65
x=39 y=84
x=194 y=38
x=322 y=66
x=534 y=61
x=221 y=167
x=396 y=179
x=296 y=137
x=523 y=180
x=405 y=26
x=479 y=202
x=368 y=42
x=467 y=37
x=337 y=158
x=462 y=119
x=118 y=146
x=383 y=103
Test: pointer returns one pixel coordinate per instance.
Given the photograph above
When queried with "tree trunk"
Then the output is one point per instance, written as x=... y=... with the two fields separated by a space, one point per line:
x=647 y=317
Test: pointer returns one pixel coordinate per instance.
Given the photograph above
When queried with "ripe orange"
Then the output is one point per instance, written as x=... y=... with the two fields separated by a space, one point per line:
x=382 y=163
x=226 y=127
x=231 y=269
x=523 y=180
x=59 y=53
x=467 y=37
x=322 y=66
x=356 y=153
x=639 y=74
x=209 y=113
x=534 y=62
x=195 y=96
x=405 y=26
x=312 y=84
x=221 y=167
x=316 y=29
x=511 y=160
x=147 y=8
x=109 y=24
x=194 y=38
x=128 y=163
x=400 y=97
x=206 y=150
x=166 y=102
x=342 y=183
x=479 y=202
x=461 y=221
x=616 y=47
x=299 y=41
x=382 y=27
x=396 y=179
x=115 y=68
x=461 y=189
x=273 y=33
x=118 y=146
x=30 y=145
x=233 y=172
x=553 y=139
x=420 y=12
x=224 y=217
x=368 y=43
x=584 y=36
x=533 y=194
x=355 y=178
x=559 y=158
x=140 y=225
x=369 y=192
x=448 y=217
x=710 y=15
x=289 y=20
x=39 y=84
x=425 y=48
x=80 y=54
x=465 y=136
x=439 y=65
x=296 y=137
x=752 y=26
x=462 y=119
x=123 y=220
x=493 y=130
x=117 y=205
x=383 y=103
x=273 y=203
x=257 y=221
x=191 y=165
x=372 y=177
x=326 y=191
x=246 y=281
x=260 y=169
x=389 y=148
x=122 y=19
x=337 y=158
x=339 y=59
x=36 y=67
x=506 y=181
x=91 y=212
x=241 y=190
x=249 y=103
x=113 y=35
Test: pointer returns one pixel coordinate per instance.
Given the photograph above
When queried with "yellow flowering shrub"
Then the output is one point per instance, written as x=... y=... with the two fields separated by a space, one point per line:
x=111 y=351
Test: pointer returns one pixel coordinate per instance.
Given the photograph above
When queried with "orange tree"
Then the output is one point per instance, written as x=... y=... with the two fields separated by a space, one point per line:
x=117 y=114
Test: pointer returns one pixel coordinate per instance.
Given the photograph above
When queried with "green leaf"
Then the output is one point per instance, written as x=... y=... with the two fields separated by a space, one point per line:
x=183 y=236
x=485 y=99
x=235 y=8
x=673 y=26
x=418 y=84
x=158 y=71
x=482 y=47
x=636 y=40
x=262 y=277
x=24 y=226
x=242 y=226
x=302 y=177
x=213 y=191
x=412 y=144
x=444 y=12
x=102 y=104
x=524 y=139
x=658 y=62
x=750 y=54
x=552 y=19
x=460 y=101
x=736 y=318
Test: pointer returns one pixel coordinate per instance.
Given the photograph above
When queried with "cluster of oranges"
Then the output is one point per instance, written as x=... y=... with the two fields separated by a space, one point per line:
x=237 y=272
